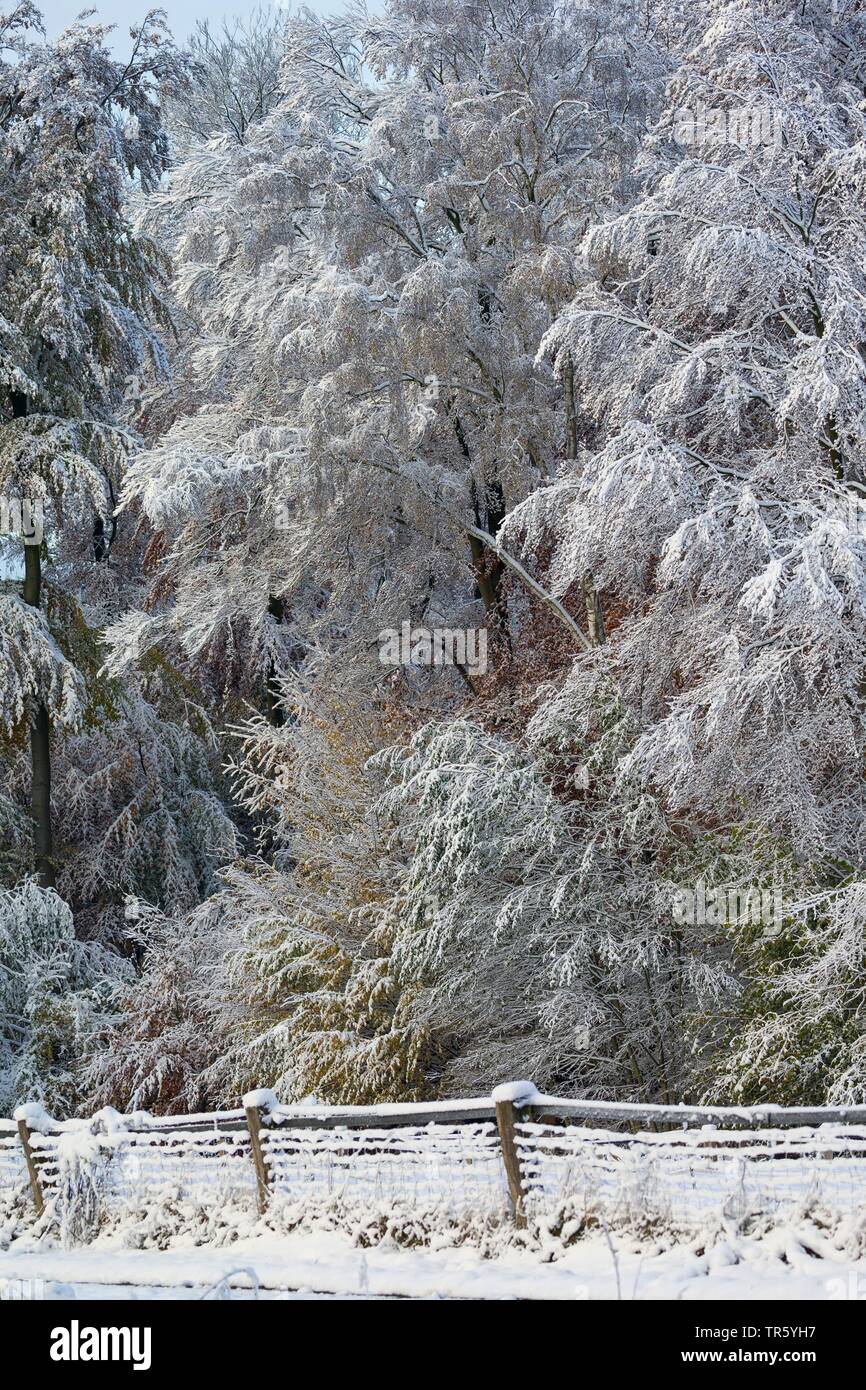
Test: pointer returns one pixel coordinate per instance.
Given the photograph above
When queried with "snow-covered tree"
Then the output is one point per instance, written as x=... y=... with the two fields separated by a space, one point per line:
x=367 y=282
x=717 y=498
x=723 y=397
x=535 y=926
x=79 y=295
x=477 y=298
x=56 y=995
x=235 y=80
x=157 y=1051
x=284 y=975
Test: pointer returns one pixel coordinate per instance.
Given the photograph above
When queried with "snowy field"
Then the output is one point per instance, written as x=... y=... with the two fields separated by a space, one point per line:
x=782 y=1265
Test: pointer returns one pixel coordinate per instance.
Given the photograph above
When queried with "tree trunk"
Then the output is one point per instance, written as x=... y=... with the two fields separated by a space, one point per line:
x=275 y=713
x=594 y=613
x=40 y=729
x=570 y=412
x=487 y=574
x=591 y=597
x=487 y=568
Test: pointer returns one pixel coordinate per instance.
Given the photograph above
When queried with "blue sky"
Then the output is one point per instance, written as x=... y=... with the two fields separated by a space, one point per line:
x=182 y=14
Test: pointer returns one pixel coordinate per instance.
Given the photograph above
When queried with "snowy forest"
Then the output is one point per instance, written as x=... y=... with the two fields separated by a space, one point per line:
x=433 y=555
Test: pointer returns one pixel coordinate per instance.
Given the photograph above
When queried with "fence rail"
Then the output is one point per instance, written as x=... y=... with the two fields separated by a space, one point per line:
x=514 y=1154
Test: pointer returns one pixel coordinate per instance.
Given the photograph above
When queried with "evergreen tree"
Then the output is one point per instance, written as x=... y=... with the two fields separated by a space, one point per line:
x=80 y=294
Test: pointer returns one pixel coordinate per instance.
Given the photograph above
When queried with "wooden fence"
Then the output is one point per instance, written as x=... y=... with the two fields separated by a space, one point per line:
x=515 y=1150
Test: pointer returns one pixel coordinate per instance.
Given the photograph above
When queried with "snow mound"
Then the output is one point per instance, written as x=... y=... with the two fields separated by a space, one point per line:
x=108 y=1121
x=518 y=1092
x=35 y=1116
x=263 y=1099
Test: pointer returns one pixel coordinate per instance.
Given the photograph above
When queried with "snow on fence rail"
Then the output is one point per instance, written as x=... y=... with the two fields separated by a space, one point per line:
x=516 y=1155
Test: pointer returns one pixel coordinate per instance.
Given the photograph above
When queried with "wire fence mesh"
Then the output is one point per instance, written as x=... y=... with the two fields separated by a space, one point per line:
x=13 y=1169
x=685 y=1178
x=147 y=1168
x=448 y=1160
x=454 y=1168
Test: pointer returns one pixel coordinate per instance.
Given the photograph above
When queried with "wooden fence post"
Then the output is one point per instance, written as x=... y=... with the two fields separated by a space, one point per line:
x=24 y=1134
x=505 y=1098
x=254 y=1125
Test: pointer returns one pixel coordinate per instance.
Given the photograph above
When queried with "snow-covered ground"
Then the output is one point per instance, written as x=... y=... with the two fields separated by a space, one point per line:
x=788 y=1264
